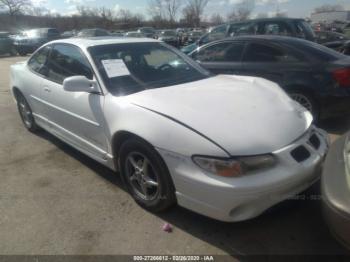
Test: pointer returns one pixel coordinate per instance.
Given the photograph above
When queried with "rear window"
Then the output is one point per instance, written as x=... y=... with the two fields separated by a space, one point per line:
x=318 y=52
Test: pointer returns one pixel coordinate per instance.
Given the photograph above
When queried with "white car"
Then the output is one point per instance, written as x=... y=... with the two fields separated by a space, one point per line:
x=228 y=147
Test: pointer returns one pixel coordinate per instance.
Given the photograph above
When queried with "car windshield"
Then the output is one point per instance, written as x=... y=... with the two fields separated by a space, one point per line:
x=134 y=67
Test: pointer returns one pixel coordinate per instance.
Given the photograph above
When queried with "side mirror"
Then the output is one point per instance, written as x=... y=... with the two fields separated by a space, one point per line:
x=80 y=84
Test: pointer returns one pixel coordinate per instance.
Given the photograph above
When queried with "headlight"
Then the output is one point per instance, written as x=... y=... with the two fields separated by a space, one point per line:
x=234 y=167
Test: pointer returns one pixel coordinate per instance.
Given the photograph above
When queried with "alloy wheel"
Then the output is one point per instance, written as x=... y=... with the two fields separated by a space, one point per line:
x=25 y=112
x=142 y=177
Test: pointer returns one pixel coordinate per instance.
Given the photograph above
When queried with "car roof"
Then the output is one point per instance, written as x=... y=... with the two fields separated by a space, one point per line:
x=96 y=41
x=263 y=37
x=267 y=20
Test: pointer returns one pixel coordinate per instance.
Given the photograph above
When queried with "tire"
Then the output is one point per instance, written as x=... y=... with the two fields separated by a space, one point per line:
x=146 y=176
x=26 y=113
x=307 y=101
x=22 y=53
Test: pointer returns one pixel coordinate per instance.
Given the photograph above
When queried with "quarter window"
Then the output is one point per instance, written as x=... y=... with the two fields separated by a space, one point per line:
x=223 y=52
x=66 y=61
x=38 y=62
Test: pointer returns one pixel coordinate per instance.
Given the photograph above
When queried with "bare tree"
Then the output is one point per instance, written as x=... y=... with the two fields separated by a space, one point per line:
x=329 y=8
x=241 y=11
x=194 y=10
x=15 y=7
x=155 y=9
x=262 y=15
x=124 y=15
x=172 y=7
x=216 y=19
x=164 y=9
x=38 y=11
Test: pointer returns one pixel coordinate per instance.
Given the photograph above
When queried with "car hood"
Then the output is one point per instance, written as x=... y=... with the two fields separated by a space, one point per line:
x=243 y=115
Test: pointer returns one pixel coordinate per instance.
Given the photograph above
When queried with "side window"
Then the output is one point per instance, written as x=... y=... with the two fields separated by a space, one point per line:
x=276 y=28
x=242 y=29
x=267 y=54
x=222 y=52
x=38 y=61
x=66 y=61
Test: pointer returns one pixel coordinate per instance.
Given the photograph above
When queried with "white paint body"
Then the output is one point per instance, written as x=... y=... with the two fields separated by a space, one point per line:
x=221 y=116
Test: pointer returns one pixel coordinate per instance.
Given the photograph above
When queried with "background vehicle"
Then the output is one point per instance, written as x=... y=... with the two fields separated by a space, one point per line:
x=145 y=110
x=170 y=37
x=334 y=40
x=192 y=37
x=32 y=39
x=94 y=32
x=69 y=34
x=293 y=27
x=315 y=76
x=134 y=34
x=323 y=37
x=117 y=33
x=6 y=44
x=147 y=32
x=336 y=189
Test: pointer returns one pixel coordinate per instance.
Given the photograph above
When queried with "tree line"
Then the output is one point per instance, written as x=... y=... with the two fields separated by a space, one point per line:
x=21 y=14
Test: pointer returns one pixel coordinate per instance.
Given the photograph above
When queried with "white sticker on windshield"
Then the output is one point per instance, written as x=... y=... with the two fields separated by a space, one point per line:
x=115 y=68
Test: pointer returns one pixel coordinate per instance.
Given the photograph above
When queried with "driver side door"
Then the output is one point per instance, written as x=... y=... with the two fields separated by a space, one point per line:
x=76 y=117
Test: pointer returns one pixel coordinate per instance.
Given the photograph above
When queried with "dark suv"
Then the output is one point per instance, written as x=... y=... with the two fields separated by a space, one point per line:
x=293 y=27
x=32 y=39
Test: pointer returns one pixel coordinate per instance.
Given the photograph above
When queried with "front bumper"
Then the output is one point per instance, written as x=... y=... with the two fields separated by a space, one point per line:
x=238 y=199
x=335 y=184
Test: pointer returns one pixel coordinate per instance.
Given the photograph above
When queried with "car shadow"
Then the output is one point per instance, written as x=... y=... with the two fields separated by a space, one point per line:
x=93 y=165
x=294 y=227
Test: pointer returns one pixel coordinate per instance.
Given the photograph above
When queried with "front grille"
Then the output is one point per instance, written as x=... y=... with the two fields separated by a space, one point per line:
x=300 y=154
x=315 y=141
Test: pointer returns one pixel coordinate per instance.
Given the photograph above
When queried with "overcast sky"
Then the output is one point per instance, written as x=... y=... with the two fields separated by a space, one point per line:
x=294 y=8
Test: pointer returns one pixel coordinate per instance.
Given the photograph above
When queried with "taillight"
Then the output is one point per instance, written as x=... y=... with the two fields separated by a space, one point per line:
x=342 y=76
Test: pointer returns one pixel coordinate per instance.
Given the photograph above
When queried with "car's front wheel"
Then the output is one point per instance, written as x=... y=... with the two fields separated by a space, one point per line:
x=26 y=113
x=146 y=176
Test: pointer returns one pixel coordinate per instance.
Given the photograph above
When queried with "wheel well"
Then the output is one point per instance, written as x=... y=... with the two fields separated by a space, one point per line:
x=16 y=92
x=301 y=89
x=119 y=138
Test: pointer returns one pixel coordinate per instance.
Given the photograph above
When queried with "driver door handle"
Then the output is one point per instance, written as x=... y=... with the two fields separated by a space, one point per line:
x=46 y=89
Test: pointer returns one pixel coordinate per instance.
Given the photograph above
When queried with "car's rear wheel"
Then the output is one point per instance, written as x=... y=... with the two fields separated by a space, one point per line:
x=306 y=101
x=26 y=113
x=22 y=53
x=146 y=176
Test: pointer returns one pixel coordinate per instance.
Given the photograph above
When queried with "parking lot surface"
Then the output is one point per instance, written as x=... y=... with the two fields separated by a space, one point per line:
x=54 y=200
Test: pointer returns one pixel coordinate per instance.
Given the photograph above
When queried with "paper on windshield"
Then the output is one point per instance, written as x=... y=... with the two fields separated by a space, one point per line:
x=115 y=68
